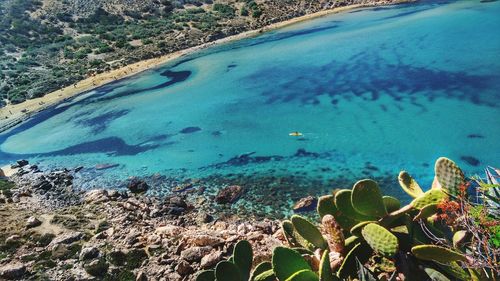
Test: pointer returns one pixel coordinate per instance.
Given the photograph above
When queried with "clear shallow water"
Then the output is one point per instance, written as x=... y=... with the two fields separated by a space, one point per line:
x=373 y=91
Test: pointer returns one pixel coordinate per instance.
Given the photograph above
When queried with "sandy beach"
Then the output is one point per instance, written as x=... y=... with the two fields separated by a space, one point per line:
x=13 y=114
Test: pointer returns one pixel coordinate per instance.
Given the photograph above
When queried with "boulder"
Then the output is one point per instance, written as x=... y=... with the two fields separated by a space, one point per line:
x=12 y=271
x=229 y=194
x=32 y=222
x=88 y=253
x=305 y=204
x=137 y=186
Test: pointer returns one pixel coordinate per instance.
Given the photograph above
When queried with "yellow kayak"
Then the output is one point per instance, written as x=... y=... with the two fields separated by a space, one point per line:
x=296 y=134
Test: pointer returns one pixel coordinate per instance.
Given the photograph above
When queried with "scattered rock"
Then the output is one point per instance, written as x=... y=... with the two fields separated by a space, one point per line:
x=137 y=186
x=204 y=218
x=183 y=268
x=195 y=253
x=211 y=260
x=141 y=276
x=12 y=271
x=67 y=238
x=89 y=253
x=32 y=222
x=20 y=163
x=97 y=267
x=306 y=204
x=96 y=195
x=229 y=194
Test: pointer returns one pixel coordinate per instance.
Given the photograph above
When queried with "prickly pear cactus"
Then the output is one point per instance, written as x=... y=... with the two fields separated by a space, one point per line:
x=361 y=252
x=409 y=185
x=391 y=204
x=243 y=258
x=437 y=253
x=260 y=269
x=449 y=176
x=206 y=275
x=356 y=230
x=325 y=271
x=292 y=237
x=303 y=275
x=267 y=275
x=381 y=240
x=433 y=196
x=344 y=205
x=333 y=233
x=367 y=199
x=286 y=262
x=326 y=206
x=427 y=211
x=227 y=271
x=307 y=230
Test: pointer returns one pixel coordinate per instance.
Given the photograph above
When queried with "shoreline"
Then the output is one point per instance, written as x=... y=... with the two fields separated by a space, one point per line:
x=14 y=114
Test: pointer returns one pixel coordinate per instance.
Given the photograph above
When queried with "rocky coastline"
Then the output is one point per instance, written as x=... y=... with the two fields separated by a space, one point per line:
x=52 y=231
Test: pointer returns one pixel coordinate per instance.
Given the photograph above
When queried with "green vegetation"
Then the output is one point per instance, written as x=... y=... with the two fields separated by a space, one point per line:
x=442 y=234
x=45 y=48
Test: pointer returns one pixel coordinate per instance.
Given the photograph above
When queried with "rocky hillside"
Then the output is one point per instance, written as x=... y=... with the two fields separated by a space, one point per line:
x=49 y=44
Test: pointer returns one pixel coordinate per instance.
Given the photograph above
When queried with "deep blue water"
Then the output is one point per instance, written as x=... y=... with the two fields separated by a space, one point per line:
x=373 y=91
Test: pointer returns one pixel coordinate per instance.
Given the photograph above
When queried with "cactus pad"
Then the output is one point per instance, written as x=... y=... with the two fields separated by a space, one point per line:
x=286 y=262
x=435 y=275
x=243 y=258
x=288 y=232
x=227 y=271
x=427 y=211
x=356 y=230
x=303 y=275
x=267 y=275
x=409 y=185
x=391 y=204
x=436 y=253
x=432 y=196
x=206 y=275
x=326 y=206
x=325 y=271
x=459 y=238
x=361 y=252
x=344 y=205
x=261 y=268
x=449 y=175
x=367 y=199
x=309 y=232
x=380 y=239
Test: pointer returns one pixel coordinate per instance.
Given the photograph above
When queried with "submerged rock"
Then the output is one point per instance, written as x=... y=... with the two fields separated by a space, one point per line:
x=229 y=194
x=190 y=130
x=471 y=160
x=137 y=186
x=305 y=204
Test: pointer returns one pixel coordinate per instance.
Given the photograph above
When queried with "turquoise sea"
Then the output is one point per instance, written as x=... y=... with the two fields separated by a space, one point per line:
x=373 y=91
